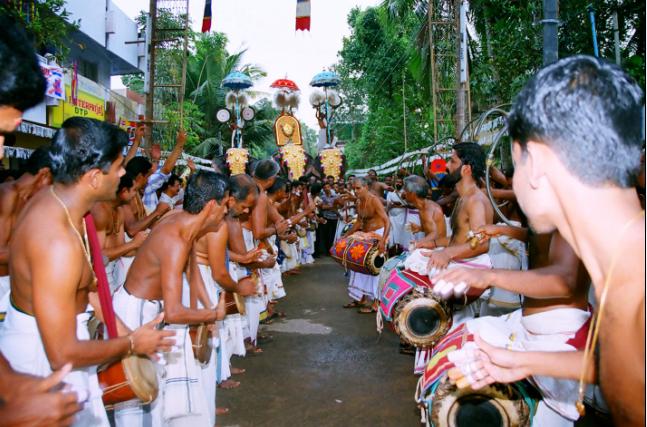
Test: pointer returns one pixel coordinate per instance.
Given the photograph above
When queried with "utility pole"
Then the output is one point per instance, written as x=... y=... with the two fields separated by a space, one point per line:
x=550 y=23
x=149 y=88
x=460 y=69
x=404 y=114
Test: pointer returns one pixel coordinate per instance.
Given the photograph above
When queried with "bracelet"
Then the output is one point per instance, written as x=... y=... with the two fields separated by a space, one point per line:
x=131 y=347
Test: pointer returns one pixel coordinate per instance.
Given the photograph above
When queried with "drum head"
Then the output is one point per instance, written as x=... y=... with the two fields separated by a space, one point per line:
x=422 y=319
x=497 y=405
x=379 y=261
x=142 y=377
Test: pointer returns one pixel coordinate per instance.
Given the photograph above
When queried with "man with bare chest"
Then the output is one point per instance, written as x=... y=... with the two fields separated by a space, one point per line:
x=109 y=222
x=566 y=123
x=432 y=220
x=52 y=275
x=155 y=284
x=371 y=219
x=472 y=211
x=13 y=197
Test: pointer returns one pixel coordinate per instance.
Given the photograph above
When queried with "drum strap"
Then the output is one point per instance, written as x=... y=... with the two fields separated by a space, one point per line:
x=102 y=279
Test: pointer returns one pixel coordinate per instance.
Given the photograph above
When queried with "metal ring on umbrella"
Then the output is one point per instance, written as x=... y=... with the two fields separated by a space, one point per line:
x=489 y=162
x=285 y=84
x=237 y=81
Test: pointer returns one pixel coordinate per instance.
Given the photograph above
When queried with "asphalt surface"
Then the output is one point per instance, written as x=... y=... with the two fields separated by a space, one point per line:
x=324 y=366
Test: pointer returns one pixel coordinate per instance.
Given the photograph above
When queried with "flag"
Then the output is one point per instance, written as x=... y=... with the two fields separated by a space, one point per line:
x=206 y=21
x=303 y=15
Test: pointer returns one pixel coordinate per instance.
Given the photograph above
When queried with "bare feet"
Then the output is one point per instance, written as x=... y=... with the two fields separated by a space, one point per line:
x=229 y=384
x=222 y=411
x=236 y=371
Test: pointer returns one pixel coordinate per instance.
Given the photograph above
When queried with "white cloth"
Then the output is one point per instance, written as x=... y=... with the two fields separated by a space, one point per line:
x=547 y=331
x=400 y=218
x=256 y=304
x=184 y=401
x=120 y=270
x=506 y=254
x=360 y=285
x=135 y=312
x=22 y=346
x=209 y=371
x=5 y=290
x=272 y=277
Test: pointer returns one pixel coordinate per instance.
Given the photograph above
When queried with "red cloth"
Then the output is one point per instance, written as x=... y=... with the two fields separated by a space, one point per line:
x=102 y=279
x=206 y=21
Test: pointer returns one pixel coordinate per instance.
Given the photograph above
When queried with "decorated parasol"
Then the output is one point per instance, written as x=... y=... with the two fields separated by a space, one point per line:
x=325 y=79
x=285 y=84
x=438 y=166
x=237 y=81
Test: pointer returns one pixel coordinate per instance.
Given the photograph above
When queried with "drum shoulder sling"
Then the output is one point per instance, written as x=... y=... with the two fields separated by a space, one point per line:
x=133 y=377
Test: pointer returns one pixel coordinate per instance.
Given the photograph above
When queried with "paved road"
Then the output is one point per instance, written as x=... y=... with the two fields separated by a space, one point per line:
x=325 y=366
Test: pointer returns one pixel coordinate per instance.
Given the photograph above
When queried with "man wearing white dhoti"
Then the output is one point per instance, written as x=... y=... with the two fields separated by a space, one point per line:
x=372 y=218
x=52 y=275
x=157 y=275
x=555 y=317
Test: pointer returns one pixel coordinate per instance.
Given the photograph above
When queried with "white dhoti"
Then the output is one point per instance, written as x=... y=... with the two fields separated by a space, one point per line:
x=272 y=277
x=21 y=344
x=561 y=329
x=135 y=312
x=184 y=402
x=5 y=290
x=506 y=254
x=360 y=285
x=120 y=270
x=254 y=305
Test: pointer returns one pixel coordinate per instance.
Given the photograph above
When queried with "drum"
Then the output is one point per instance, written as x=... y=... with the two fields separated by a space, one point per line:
x=497 y=405
x=200 y=342
x=234 y=303
x=387 y=268
x=445 y=405
x=301 y=231
x=421 y=319
x=359 y=254
x=133 y=377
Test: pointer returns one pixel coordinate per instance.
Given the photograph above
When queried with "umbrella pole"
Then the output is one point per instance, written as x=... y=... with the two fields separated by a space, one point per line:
x=327 y=118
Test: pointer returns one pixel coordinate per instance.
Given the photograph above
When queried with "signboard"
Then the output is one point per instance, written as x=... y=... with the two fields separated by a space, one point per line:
x=89 y=101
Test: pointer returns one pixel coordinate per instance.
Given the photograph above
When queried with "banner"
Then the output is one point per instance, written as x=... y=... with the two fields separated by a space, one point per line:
x=303 y=15
x=54 y=76
x=206 y=20
x=90 y=101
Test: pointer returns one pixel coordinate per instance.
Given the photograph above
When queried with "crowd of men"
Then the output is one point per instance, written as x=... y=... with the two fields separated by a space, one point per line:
x=210 y=249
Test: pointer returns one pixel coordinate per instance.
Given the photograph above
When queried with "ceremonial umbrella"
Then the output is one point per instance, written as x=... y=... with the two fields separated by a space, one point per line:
x=237 y=80
x=438 y=166
x=285 y=84
x=325 y=79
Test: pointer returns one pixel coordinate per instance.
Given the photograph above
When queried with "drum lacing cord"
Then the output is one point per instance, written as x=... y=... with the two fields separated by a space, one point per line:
x=421 y=404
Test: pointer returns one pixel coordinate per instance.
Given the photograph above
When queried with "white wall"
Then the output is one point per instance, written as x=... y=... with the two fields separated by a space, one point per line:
x=92 y=17
x=125 y=29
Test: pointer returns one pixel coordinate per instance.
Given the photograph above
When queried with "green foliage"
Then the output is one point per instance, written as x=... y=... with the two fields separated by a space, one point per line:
x=390 y=42
x=46 y=21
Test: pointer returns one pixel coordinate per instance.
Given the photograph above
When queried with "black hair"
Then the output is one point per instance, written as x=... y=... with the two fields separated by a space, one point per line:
x=330 y=176
x=138 y=165
x=170 y=182
x=315 y=188
x=351 y=176
x=202 y=187
x=38 y=160
x=266 y=169
x=125 y=183
x=22 y=84
x=83 y=144
x=472 y=154
x=589 y=112
x=279 y=184
x=302 y=180
x=240 y=186
x=371 y=170
x=416 y=185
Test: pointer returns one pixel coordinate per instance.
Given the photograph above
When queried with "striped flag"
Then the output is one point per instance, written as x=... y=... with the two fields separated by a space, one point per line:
x=303 y=15
x=206 y=21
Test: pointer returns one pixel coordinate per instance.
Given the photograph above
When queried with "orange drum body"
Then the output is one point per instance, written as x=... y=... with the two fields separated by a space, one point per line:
x=133 y=377
x=200 y=342
x=358 y=254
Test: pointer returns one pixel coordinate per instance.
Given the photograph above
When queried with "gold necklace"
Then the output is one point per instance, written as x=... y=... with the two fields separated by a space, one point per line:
x=594 y=328
x=83 y=240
